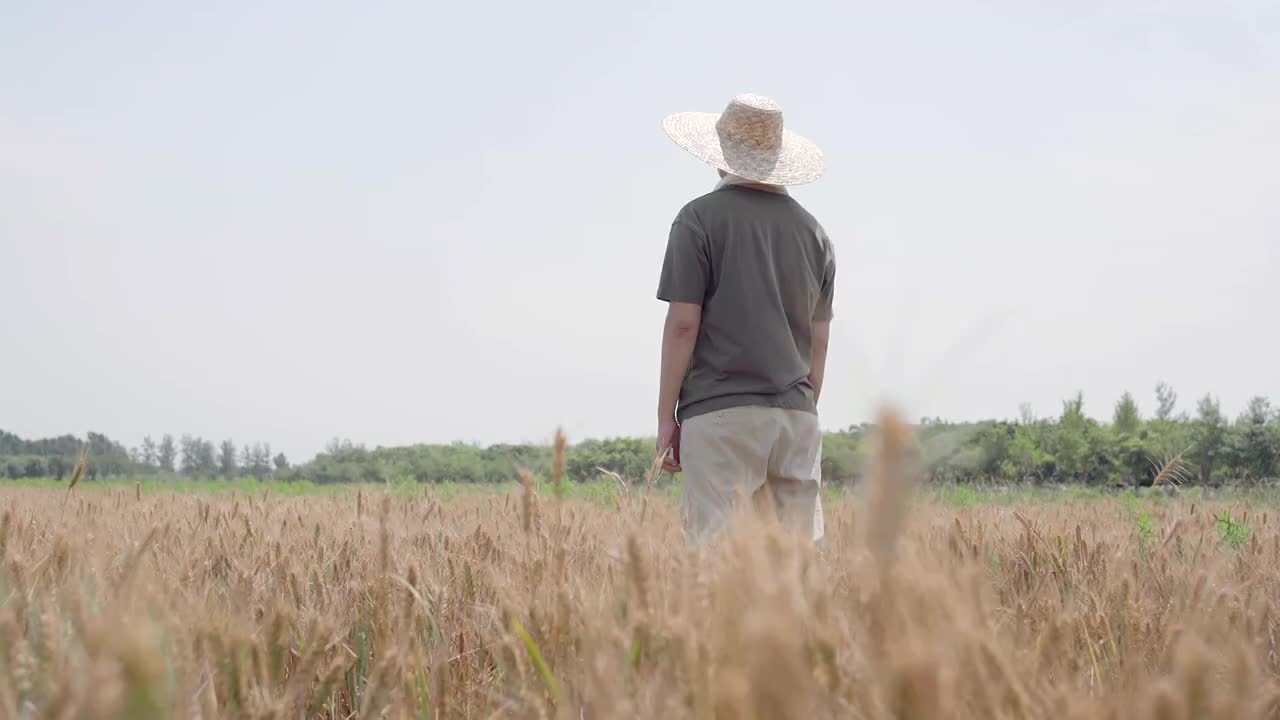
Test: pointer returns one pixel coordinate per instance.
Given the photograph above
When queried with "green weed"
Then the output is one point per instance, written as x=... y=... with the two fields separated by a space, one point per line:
x=1234 y=533
x=1145 y=531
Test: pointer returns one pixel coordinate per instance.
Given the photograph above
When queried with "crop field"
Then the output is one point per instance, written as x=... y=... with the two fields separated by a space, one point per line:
x=115 y=603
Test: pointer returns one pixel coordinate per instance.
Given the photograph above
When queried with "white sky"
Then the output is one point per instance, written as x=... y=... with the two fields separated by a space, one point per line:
x=417 y=221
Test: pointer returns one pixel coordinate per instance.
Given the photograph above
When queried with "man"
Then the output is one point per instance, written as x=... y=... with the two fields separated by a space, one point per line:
x=749 y=277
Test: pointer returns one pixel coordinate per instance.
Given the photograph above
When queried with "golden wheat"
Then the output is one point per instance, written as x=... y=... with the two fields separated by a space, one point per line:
x=477 y=607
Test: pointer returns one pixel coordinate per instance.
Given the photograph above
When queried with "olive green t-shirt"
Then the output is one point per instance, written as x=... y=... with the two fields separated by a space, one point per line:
x=763 y=270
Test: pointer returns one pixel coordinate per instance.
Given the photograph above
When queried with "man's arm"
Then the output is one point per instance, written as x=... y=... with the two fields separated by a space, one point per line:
x=822 y=323
x=683 y=286
x=679 y=335
x=818 y=363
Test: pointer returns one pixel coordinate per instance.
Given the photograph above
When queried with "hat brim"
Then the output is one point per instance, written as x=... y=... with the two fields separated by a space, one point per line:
x=797 y=162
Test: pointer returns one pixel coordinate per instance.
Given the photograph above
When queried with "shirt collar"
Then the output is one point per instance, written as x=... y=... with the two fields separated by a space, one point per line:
x=731 y=180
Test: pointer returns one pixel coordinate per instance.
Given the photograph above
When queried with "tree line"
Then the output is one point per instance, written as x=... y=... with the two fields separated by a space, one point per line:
x=1068 y=448
x=188 y=456
x=1072 y=448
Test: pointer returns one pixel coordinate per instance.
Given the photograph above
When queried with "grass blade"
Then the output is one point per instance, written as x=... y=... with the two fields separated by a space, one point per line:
x=536 y=656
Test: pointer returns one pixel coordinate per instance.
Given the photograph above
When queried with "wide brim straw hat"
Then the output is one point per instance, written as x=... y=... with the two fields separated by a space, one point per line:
x=749 y=140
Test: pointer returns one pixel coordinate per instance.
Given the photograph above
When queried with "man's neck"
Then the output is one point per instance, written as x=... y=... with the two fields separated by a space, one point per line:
x=735 y=181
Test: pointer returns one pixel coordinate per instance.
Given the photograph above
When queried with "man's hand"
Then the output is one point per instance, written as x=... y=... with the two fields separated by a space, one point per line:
x=667 y=432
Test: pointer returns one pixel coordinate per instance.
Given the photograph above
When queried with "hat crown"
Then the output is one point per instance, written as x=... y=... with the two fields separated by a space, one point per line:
x=748 y=140
x=752 y=121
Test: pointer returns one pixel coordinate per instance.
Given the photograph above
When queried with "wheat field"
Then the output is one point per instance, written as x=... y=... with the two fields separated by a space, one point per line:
x=122 y=605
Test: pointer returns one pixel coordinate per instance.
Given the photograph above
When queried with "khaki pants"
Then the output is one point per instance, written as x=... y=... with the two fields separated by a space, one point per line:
x=768 y=455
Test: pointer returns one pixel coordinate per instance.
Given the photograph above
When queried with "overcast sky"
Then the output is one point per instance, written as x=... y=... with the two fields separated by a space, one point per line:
x=415 y=221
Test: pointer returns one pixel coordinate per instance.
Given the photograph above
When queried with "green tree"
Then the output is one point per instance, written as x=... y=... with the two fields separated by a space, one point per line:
x=1073 y=443
x=150 y=455
x=167 y=453
x=207 y=458
x=199 y=457
x=189 y=464
x=1254 y=440
x=255 y=460
x=260 y=458
x=993 y=441
x=35 y=467
x=106 y=456
x=227 y=459
x=842 y=458
x=1210 y=433
x=1166 y=401
x=1029 y=455
x=11 y=444
x=1127 y=419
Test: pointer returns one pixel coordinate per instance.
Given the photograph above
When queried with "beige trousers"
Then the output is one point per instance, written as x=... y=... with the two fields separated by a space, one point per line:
x=769 y=456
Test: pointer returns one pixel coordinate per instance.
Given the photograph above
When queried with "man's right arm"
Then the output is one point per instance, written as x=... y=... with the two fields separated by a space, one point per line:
x=818 y=363
x=685 y=271
x=822 y=323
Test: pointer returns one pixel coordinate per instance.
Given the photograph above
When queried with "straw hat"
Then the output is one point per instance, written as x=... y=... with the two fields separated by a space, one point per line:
x=748 y=139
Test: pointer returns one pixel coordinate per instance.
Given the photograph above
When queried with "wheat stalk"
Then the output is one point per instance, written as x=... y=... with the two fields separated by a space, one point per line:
x=76 y=474
x=558 y=463
x=457 y=608
x=1173 y=471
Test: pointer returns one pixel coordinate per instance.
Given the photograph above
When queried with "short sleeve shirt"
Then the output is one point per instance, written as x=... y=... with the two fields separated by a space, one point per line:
x=763 y=271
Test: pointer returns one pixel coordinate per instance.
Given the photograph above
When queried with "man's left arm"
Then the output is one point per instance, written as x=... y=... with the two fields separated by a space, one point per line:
x=683 y=284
